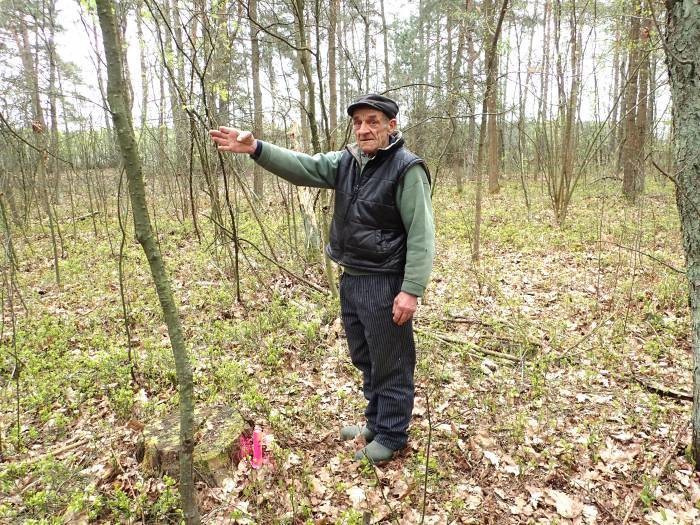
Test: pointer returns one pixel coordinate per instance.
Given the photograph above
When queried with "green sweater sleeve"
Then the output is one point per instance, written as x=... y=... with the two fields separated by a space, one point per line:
x=415 y=206
x=299 y=168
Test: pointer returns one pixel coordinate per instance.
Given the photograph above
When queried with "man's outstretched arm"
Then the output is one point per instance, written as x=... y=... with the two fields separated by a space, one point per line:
x=298 y=168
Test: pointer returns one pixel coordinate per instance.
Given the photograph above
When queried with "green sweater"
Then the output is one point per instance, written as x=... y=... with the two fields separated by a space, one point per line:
x=412 y=198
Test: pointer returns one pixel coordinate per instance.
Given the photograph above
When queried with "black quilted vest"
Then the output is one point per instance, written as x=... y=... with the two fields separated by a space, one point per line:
x=367 y=232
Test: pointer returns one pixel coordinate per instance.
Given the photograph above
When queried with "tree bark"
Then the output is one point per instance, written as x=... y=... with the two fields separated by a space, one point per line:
x=642 y=121
x=39 y=128
x=385 y=38
x=310 y=106
x=629 y=149
x=117 y=97
x=490 y=58
x=683 y=61
x=469 y=157
x=491 y=97
x=142 y=66
x=258 y=181
x=332 y=71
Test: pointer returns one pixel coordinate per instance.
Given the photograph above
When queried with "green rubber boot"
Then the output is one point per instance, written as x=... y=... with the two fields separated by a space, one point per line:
x=375 y=453
x=352 y=431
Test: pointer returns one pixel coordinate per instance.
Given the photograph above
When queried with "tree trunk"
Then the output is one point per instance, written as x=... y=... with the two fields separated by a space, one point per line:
x=117 y=96
x=310 y=106
x=490 y=58
x=454 y=66
x=642 y=122
x=53 y=113
x=258 y=185
x=332 y=72
x=617 y=77
x=469 y=157
x=142 y=65
x=385 y=38
x=39 y=128
x=492 y=106
x=683 y=60
x=629 y=150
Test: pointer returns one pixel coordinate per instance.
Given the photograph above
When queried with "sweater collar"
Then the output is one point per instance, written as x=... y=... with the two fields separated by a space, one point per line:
x=395 y=141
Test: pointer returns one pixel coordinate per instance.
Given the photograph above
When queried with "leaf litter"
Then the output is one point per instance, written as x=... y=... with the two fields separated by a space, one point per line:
x=564 y=434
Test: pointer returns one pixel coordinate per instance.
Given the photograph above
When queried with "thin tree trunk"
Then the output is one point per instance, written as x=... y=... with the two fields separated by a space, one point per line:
x=612 y=141
x=142 y=66
x=469 y=157
x=492 y=107
x=385 y=38
x=53 y=112
x=332 y=72
x=39 y=128
x=258 y=181
x=642 y=123
x=117 y=96
x=629 y=151
x=310 y=106
x=490 y=59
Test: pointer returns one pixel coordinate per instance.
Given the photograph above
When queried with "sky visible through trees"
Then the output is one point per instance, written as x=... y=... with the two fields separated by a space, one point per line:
x=74 y=45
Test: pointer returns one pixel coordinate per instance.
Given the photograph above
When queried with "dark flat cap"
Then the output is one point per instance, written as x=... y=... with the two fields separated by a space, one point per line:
x=380 y=102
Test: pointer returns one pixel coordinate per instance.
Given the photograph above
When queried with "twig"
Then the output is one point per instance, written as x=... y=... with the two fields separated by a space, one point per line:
x=652 y=257
x=381 y=491
x=565 y=353
x=86 y=216
x=675 y=182
x=456 y=340
x=658 y=388
x=291 y=273
x=55 y=452
x=269 y=259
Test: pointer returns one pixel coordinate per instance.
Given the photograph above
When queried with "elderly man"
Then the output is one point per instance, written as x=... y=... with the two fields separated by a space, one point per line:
x=383 y=237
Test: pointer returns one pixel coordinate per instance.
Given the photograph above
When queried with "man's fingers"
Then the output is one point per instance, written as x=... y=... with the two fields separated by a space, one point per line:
x=401 y=316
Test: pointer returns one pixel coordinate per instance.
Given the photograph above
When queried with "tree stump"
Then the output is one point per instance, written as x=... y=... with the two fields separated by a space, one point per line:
x=217 y=441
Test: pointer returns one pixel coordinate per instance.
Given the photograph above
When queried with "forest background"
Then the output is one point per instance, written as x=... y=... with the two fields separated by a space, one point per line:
x=554 y=340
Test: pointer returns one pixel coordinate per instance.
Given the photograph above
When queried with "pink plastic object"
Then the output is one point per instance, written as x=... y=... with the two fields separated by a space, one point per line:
x=257 y=461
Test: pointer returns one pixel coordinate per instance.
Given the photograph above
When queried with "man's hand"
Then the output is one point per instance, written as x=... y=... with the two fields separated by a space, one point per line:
x=404 y=308
x=234 y=140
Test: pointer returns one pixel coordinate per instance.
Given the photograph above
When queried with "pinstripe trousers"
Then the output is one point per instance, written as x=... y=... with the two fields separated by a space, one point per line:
x=384 y=352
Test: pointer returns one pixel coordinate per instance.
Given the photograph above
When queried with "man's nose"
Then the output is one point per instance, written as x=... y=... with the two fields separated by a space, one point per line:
x=363 y=128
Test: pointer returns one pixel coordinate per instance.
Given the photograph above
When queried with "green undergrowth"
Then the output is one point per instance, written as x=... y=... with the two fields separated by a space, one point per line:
x=580 y=307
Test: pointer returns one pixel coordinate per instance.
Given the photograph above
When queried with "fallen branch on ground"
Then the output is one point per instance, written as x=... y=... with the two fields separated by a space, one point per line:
x=86 y=216
x=455 y=340
x=55 y=452
x=662 y=390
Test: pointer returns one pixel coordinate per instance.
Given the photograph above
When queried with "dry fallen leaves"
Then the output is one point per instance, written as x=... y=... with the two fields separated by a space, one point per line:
x=567 y=506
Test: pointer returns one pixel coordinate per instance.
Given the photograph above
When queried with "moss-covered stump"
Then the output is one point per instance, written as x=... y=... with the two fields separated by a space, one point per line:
x=217 y=441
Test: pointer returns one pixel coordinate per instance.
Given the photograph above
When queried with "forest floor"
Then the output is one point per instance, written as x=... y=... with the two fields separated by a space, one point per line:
x=572 y=425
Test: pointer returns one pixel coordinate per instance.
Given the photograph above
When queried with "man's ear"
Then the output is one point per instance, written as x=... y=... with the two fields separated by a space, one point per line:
x=392 y=124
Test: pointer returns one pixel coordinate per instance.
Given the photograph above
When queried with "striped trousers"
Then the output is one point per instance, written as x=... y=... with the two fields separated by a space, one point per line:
x=384 y=352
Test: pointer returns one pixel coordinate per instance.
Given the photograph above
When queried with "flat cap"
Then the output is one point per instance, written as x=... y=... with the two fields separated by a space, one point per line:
x=380 y=102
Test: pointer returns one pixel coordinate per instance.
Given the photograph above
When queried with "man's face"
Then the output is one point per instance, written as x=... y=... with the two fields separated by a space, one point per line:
x=372 y=129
